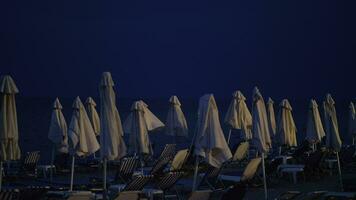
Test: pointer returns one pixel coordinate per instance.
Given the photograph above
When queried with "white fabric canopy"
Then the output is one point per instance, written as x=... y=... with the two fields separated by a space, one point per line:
x=111 y=132
x=271 y=117
x=176 y=124
x=238 y=116
x=331 y=125
x=58 y=128
x=210 y=141
x=93 y=115
x=139 y=122
x=286 y=127
x=9 y=134
x=81 y=134
x=315 y=130
x=260 y=130
x=352 y=120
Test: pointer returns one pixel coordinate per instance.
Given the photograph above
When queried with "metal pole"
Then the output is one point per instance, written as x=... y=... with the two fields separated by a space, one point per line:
x=104 y=178
x=72 y=174
x=52 y=163
x=339 y=168
x=228 y=138
x=195 y=173
x=0 y=175
x=264 y=175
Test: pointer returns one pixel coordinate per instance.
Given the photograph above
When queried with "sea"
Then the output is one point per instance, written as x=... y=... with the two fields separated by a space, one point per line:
x=34 y=115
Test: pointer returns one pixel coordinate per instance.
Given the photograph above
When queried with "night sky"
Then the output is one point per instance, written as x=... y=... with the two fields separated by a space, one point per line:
x=295 y=49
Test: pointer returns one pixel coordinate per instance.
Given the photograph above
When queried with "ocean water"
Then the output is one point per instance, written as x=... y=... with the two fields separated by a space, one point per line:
x=34 y=115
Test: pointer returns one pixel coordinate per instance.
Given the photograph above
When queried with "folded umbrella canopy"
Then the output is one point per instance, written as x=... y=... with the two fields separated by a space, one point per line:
x=81 y=134
x=352 y=122
x=139 y=122
x=287 y=130
x=271 y=117
x=57 y=133
x=176 y=124
x=333 y=140
x=9 y=135
x=315 y=131
x=260 y=130
x=93 y=115
x=111 y=132
x=238 y=116
x=210 y=141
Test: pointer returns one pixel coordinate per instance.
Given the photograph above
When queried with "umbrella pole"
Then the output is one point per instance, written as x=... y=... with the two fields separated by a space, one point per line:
x=264 y=175
x=195 y=173
x=104 y=178
x=52 y=163
x=72 y=174
x=228 y=138
x=0 y=175
x=339 y=168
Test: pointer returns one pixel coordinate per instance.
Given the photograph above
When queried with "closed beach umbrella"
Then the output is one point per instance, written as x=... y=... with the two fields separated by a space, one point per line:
x=176 y=124
x=238 y=116
x=287 y=130
x=111 y=132
x=260 y=130
x=333 y=140
x=57 y=133
x=93 y=115
x=315 y=131
x=81 y=134
x=271 y=117
x=9 y=134
x=210 y=141
x=352 y=122
x=139 y=122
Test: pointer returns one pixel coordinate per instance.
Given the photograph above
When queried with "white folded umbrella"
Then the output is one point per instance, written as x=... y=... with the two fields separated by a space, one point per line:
x=57 y=133
x=210 y=141
x=352 y=122
x=176 y=124
x=260 y=130
x=93 y=115
x=333 y=140
x=238 y=116
x=286 y=130
x=111 y=132
x=9 y=134
x=139 y=122
x=81 y=135
x=271 y=117
x=315 y=131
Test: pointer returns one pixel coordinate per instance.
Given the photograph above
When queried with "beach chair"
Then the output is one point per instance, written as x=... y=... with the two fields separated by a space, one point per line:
x=210 y=178
x=136 y=184
x=247 y=175
x=126 y=169
x=164 y=184
x=27 y=166
x=13 y=194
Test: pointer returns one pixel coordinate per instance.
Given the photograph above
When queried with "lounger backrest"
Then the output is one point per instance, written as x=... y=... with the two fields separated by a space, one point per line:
x=138 y=183
x=179 y=160
x=31 y=159
x=200 y=195
x=168 y=151
x=241 y=151
x=9 y=195
x=128 y=166
x=168 y=180
x=251 y=169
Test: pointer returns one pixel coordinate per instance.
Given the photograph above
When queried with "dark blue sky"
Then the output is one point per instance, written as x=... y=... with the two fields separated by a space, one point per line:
x=296 y=49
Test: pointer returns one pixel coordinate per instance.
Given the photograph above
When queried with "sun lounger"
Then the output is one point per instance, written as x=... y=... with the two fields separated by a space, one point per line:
x=200 y=195
x=126 y=169
x=10 y=194
x=248 y=173
x=27 y=167
x=136 y=184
